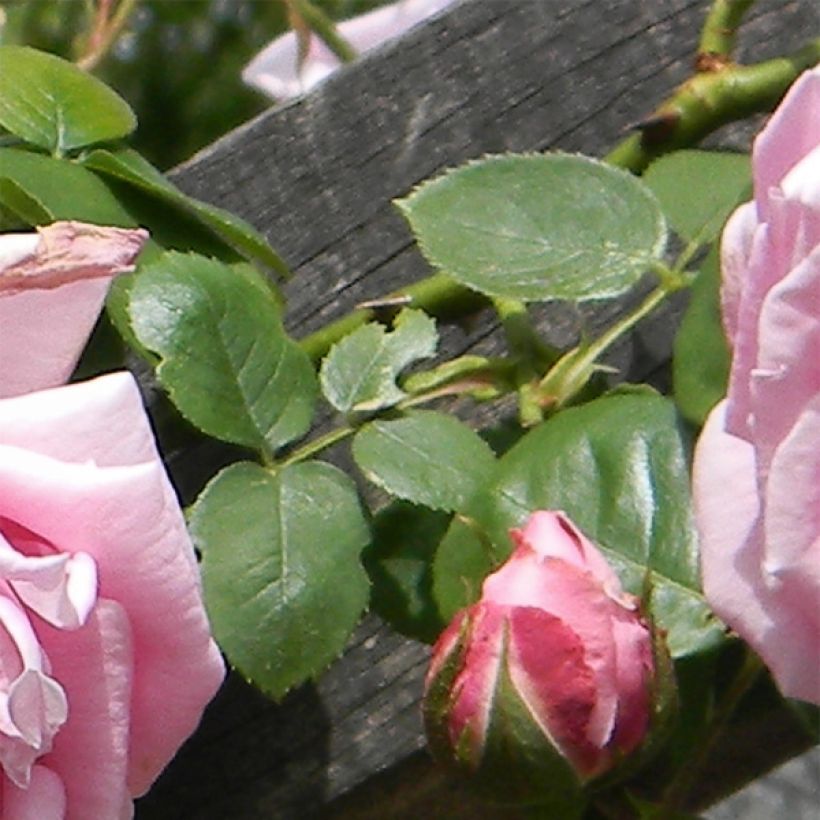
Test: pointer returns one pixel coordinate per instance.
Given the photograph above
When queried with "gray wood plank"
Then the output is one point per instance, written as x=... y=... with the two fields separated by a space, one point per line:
x=318 y=176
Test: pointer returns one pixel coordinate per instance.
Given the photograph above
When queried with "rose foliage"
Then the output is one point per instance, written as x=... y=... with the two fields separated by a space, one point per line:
x=757 y=465
x=106 y=660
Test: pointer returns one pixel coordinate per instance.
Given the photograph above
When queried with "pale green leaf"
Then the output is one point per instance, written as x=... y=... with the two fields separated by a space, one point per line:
x=546 y=226
x=359 y=373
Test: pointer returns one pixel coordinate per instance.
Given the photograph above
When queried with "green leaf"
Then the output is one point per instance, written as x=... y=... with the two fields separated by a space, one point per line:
x=547 y=226
x=128 y=166
x=399 y=562
x=359 y=373
x=699 y=189
x=52 y=104
x=226 y=361
x=426 y=457
x=618 y=467
x=16 y=200
x=463 y=560
x=59 y=188
x=701 y=361
x=281 y=574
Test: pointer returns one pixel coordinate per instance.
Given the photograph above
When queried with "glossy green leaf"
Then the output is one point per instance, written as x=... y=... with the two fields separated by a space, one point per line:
x=282 y=580
x=399 y=562
x=426 y=457
x=618 y=467
x=464 y=558
x=226 y=361
x=699 y=189
x=700 y=367
x=54 y=105
x=128 y=166
x=26 y=208
x=359 y=373
x=546 y=226
x=60 y=188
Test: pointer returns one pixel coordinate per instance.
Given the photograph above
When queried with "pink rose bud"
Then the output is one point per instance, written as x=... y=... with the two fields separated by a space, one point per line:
x=52 y=287
x=757 y=463
x=551 y=671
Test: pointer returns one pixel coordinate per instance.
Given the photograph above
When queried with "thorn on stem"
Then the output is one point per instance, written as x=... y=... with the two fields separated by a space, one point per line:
x=710 y=62
x=658 y=128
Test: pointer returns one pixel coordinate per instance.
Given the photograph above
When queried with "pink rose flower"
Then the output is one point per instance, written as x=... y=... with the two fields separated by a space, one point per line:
x=278 y=72
x=554 y=622
x=106 y=659
x=757 y=463
x=52 y=287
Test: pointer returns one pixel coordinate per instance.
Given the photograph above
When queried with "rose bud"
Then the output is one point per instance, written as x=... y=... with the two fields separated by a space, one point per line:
x=548 y=680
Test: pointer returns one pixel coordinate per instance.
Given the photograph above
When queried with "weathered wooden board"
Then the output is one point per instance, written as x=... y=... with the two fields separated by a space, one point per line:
x=318 y=177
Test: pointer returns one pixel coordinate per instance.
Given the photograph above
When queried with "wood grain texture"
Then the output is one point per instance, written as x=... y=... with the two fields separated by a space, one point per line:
x=317 y=177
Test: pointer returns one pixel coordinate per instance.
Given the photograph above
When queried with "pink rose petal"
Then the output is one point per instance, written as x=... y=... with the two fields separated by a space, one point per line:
x=276 y=70
x=727 y=507
x=474 y=686
x=548 y=664
x=791 y=133
x=44 y=799
x=90 y=752
x=735 y=249
x=52 y=326
x=757 y=469
x=127 y=519
x=51 y=293
x=101 y=420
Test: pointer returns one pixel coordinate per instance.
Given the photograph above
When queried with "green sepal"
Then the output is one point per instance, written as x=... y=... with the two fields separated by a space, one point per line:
x=436 y=704
x=516 y=763
x=519 y=764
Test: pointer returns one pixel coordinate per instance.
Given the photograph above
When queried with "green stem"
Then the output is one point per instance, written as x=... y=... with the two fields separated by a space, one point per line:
x=437 y=295
x=321 y=25
x=626 y=323
x=676 y=793
x=102 y=40
x=522 y=338
x=732 y=93
x=717 y=39
x=572 y=372
x=311 y=448
x=709 y=100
